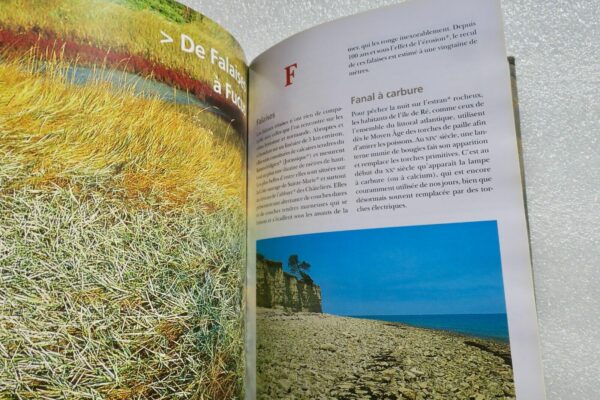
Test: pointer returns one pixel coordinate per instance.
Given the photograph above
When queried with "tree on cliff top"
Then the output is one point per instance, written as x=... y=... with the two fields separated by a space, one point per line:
x=306 y=278
x=299 y=268
x=293 y=262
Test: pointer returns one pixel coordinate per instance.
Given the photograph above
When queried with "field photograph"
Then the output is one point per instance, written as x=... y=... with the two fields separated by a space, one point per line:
x=412 y=312
x=122 y=203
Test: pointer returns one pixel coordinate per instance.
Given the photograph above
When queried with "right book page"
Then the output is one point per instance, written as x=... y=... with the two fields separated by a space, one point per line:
x=387 y=236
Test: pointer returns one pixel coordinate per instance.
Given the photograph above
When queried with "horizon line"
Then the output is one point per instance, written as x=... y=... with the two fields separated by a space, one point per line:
x=414 y=315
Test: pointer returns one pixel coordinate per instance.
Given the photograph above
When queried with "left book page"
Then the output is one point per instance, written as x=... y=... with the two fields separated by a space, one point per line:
x=122 y=201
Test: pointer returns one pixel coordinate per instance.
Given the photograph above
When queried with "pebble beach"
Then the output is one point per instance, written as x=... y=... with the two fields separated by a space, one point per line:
x=321 y=356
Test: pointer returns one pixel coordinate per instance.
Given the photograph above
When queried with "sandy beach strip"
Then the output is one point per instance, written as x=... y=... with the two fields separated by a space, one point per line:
x=321 y=356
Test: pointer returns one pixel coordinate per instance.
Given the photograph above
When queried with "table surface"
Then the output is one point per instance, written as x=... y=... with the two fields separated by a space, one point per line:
x=557 y=48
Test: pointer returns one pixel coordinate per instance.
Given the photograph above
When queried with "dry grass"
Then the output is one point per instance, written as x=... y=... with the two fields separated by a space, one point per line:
x=102 y=301
x=108 y=24
x=169 y=153
x=121 y=243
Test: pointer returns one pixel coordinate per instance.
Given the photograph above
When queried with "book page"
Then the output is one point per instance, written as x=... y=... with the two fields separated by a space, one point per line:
x=387 y=229
x=122 y=201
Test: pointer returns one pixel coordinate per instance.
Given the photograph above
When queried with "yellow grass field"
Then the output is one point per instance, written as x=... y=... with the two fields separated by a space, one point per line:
x=177 y=154
x=121 y=240
x=112 y=24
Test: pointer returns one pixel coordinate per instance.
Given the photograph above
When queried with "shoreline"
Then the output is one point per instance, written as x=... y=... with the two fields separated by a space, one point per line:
x=322 y=356
x=498 y=339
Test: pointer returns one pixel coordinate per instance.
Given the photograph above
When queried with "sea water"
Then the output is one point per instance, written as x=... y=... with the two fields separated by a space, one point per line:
x=489 y=326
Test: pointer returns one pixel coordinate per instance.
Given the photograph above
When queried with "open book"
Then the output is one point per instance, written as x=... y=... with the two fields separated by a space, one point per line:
x=342 y=218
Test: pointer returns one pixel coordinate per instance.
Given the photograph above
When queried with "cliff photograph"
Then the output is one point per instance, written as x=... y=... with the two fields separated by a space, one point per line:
x=394 y=313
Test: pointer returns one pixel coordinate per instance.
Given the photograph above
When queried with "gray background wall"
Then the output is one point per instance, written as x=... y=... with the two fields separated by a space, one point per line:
x=557 y=47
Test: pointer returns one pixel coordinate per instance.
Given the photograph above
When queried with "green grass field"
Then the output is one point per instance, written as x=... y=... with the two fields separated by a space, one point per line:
x=169 y=9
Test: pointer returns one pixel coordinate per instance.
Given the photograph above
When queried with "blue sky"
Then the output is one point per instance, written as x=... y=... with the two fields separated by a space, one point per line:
x=431 y=269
